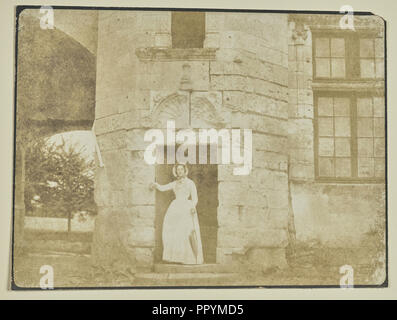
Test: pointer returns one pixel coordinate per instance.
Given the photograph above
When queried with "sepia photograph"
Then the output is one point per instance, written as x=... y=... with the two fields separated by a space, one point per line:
x=199 y=148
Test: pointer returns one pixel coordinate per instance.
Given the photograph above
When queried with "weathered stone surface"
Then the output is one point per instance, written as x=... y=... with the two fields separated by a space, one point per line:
x=250 y=102
x=106 y=247
x=140 y=216
x=259 y=123
x=305 y=96
x=303 y=156
x=109 y=23
x=142 y=257
x=245 y=65
x=267 y=258
x=300 y=171
x=269 y=160
x=270 y=89
x=300 y=142
x=112 y=141
x=106 y=106
x=109 y=89
x=262 y=178
x=225 y=173
x=167 y=75
x=140 y=174
x=267 y=53
x=140 y=236
x=277 y=217
x=101 y=188
x=214 y=21
x=277 y=199
x=244 y=216
x=135 y=140
x=229 y=82
x=267 y=28
x=118 y=198
x=280 y=180
x=140 y=99
x=225 y=255
x=113 y=161
x=140 y=194
x=235 y=193
x=163 y=40
x=110 y=123
x=167 y=98
x=327 y=205
x=136 y=159
x=246 y=86
x=269 y=143
x=251 y=237
x=212 y=40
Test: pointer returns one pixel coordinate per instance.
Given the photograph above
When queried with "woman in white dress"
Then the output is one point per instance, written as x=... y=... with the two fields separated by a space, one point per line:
x=180 y=220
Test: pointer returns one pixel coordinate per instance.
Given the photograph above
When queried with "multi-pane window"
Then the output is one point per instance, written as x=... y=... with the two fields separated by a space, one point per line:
x=341 y=56
x=187 y=29
x=370 y=136
x=334 y=137
x=350 y=135
x=349 y=105
x=330 y=57
x=371 y=58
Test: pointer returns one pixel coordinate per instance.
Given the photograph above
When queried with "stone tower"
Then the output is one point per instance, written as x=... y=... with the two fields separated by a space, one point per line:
x=227 y=71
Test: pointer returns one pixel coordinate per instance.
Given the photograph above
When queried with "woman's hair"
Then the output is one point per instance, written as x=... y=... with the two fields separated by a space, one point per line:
x=178 y=165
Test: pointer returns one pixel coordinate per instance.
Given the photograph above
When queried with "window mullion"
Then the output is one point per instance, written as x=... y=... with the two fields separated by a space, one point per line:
x=353 y=125
x=316 y=139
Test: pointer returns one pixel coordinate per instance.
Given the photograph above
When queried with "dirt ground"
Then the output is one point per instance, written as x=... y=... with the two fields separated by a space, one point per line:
x=77 y=271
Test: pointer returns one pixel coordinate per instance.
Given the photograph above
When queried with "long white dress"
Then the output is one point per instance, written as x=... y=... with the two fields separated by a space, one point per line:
x=178 y=224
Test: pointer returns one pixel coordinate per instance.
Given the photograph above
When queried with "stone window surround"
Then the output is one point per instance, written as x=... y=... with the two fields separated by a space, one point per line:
x=303 y=28
x=347 y=36
x=353 y=178
x=373 y=86
x=163 y=51
x=173 y=54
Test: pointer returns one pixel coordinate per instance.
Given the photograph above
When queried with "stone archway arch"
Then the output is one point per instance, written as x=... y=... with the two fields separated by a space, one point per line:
x=188 y=109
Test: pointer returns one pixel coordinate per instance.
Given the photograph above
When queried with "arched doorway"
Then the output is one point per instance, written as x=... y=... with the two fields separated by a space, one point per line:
x=192 y=111
x=205 y=177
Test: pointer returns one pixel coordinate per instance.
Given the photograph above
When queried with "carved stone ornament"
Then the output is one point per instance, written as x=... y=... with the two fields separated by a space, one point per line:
x=300 y=31
x=196 y=112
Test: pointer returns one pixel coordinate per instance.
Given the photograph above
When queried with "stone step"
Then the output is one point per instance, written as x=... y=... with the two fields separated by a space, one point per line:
x=200 y=268
x=184 y=275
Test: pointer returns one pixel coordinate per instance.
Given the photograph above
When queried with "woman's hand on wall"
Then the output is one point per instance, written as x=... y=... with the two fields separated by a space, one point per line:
x=153 y=186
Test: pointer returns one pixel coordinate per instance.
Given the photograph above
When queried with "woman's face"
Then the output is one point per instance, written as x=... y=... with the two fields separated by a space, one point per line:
x=180 y=171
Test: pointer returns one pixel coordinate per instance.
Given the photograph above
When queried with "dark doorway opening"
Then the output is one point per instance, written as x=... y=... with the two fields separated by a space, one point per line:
x=205 y=176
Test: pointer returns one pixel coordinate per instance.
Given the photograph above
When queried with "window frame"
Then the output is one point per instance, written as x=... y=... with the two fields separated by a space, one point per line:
x=352 y=54
x=353 y=86
x=353 y=95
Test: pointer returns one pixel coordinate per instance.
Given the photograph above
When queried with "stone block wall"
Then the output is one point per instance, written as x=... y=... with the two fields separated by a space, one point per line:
x=125 y=223
x=251 y=71
x=300 y=104
x=331 y=214
x=238 y=80
x=254 y=71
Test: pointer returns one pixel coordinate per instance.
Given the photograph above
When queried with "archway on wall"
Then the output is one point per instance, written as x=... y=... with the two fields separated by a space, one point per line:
x=205 y=176
x=55 y=93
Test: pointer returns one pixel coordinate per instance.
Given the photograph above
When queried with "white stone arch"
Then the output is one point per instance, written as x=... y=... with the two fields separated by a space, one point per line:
x=188 y=109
